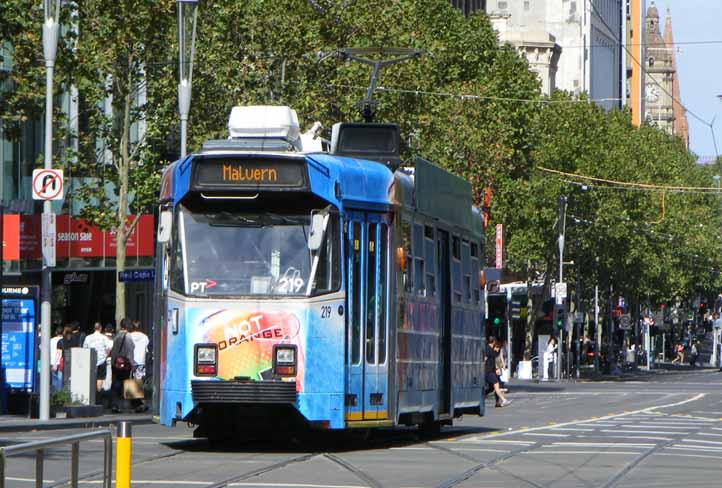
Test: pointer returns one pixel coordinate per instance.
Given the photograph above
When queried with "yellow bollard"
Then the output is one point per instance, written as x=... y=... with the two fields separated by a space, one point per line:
x=123 y=453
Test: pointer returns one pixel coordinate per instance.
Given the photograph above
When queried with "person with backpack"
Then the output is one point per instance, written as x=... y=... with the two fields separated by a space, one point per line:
x=121 y=363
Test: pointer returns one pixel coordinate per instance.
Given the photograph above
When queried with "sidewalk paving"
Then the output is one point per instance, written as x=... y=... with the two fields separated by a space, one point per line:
x=16 y=423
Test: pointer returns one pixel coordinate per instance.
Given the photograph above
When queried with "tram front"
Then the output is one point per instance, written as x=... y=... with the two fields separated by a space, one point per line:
x=252 y=322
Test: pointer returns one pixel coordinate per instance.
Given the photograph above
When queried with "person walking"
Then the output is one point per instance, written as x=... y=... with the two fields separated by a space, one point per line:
x=102 y=346
x=122 y=361
x=56 y=376
x=549 y=357
x=492 y=373
x=694 y=354
x=140 y=342
x=679 y=349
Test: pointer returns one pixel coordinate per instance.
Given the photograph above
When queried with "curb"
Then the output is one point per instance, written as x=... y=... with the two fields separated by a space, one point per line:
x=85 y=423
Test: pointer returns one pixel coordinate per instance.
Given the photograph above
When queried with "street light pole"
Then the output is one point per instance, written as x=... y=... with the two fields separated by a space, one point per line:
x=50 y=47
x=715 y=332
x=562 y=224
x=187 y=15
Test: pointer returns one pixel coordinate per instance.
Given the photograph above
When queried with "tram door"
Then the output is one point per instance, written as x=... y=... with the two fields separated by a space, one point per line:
x=367 y=244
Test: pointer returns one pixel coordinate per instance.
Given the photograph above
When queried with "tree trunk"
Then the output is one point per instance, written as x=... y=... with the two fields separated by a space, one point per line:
x=533 y=308
x=123 y=230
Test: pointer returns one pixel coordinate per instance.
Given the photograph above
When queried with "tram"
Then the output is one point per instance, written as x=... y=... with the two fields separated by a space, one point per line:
x=303 y=282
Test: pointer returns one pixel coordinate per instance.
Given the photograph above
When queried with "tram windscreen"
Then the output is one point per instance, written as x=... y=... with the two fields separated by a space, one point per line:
x=262 y=254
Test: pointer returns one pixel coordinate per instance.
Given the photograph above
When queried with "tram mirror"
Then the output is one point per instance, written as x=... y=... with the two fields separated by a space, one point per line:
x=318 y=221
x=165 y=226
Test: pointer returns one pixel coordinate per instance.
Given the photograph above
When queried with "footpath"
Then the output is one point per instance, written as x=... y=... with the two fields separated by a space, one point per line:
x=16 y=423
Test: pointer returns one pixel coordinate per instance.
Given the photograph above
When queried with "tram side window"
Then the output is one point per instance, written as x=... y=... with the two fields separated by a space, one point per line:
x=371 y=303
x=327 y=278
x=456 y=268
x=355 y=253
x=177 y=280
x=383 y=289
x=475 y=272
x=430 y=260
x=466 y=268
x=419 y=265
x=406 y=244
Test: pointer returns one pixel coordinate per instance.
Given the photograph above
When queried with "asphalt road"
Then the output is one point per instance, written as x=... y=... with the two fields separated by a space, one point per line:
x=663 y=431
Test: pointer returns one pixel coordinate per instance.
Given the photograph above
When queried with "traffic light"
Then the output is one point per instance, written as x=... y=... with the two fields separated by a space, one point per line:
x=560 y=316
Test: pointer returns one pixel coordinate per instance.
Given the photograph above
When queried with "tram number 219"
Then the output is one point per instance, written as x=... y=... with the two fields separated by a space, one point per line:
x=325 y=312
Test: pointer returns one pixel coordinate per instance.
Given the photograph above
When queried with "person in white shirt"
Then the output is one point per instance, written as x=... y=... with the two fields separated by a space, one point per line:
x=140 y=352
x=56 y=375
x=102 y=346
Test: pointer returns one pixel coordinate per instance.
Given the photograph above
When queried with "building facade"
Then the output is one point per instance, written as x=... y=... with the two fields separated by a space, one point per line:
x=574 y=45
x=85 y=277
x=635 y=59
x=659 y=74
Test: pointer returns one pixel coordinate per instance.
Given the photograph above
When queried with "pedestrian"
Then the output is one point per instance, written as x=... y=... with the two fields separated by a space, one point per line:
x=492 y=373
x=56 y=376
x=549 y=357
x=679 y=349
x=140 y=342
x=109 y=331
x=501 y=365
x=102 y=346
x=122 y=362
x=694 y=354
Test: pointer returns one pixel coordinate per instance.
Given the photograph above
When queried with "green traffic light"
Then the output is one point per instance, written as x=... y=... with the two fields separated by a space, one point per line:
x=497 y=321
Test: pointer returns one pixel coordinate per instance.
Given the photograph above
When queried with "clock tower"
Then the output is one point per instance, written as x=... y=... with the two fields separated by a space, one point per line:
x=659 y=75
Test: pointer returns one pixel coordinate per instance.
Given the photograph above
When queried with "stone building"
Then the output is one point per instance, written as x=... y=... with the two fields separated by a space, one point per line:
x=469 y=6
x=659 y=74
x=574 y=45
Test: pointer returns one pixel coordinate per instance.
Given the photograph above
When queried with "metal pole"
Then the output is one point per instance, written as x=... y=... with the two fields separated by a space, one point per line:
x=562 y=228
x=39 y=459
x=123 y=454
x=50 y=44
x=75 y=455
x=598 y=328
x=108 y=462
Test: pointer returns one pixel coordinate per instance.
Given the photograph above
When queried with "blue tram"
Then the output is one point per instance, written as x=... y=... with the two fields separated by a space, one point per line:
x=321 y=283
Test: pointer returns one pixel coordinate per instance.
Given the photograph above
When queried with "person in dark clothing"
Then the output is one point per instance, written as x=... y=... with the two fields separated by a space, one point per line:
x=122 y=364
x=492 y=373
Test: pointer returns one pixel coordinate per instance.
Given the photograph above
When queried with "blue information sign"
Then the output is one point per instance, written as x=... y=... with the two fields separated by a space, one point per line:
x=136 y=275
x=19 y=337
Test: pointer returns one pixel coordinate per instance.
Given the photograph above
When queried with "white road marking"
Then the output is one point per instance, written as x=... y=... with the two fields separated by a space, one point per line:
x=688 y=455
x=572 y=429
x=638 y=437
x=602 y=444
x=626 y=431
x=696 y=448
x=646 y=410
x=547 y=435
x=703 y=442
x=711 y=435
x=665 y=426
x=580 y=452
x=488 y=441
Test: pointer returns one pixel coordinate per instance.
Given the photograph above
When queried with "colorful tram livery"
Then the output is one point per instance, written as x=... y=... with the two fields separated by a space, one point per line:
x=330 y=289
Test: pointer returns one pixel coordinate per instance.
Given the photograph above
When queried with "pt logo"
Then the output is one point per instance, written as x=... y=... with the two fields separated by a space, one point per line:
x=202 y=286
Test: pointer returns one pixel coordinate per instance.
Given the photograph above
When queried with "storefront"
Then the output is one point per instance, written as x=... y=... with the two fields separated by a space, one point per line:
x=84 y=279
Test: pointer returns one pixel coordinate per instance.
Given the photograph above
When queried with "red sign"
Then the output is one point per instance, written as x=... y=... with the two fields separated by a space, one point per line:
x=499 y=246
x=78 y=239
x=11 y=237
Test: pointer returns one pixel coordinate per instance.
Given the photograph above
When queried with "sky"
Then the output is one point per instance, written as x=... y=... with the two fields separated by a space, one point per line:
x=699 y=66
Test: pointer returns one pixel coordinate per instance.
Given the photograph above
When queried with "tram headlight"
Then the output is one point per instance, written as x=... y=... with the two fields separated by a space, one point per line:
x=284 y=359
x=206 y=359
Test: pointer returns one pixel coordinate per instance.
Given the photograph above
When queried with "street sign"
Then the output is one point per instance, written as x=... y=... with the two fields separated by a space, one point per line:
x=136 y=275
x=48 y=239
x=560 y=292
x=47 y=184
x=625 y=322
x=499 y=246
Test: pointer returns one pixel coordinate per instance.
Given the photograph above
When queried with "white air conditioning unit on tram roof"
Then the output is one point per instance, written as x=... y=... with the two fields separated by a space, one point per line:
x=263 y=122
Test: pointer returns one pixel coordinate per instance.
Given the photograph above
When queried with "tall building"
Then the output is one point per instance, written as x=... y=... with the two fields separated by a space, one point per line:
x=680 y=127
x=660 y=74
x=573 y=45
x=634 y=54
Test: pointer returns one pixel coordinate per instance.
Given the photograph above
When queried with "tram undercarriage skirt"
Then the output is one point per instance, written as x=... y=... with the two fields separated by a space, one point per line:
x=244 y=392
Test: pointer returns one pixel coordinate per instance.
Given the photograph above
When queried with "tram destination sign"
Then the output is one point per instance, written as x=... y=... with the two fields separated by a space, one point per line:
x=249 y=173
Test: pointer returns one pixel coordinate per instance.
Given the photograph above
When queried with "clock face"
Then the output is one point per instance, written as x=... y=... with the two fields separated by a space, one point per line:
x=652 y=92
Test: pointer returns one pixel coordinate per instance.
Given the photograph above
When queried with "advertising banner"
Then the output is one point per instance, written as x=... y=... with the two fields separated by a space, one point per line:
x=11 y=237
x=19 y=337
